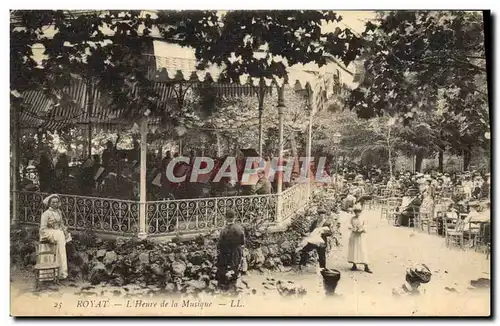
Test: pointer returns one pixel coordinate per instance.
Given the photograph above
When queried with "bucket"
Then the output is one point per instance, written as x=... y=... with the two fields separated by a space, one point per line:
x=331 y=279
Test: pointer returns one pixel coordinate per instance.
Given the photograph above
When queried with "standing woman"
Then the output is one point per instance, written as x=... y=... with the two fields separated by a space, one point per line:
x=357 y=251
x=427 y=206
x=53 y=230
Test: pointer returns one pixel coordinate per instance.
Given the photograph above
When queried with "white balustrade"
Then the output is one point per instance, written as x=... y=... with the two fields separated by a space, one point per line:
x=167 y=217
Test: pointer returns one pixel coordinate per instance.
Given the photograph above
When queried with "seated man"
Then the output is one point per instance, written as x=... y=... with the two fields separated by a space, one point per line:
x=263 y=186
x=406 y=211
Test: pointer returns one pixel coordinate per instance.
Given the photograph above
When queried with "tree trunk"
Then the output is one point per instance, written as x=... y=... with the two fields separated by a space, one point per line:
x=40 y=141
x=390 y=151
x=442 y=148
x=90 y=106
x=261 y=131
x=228 y=143
x=219 y=150
x=419 y=158
x=293 y=144
x=15 y=144
x=441 y=160
x=262 y=93
x=279 y=186
x=467 y=158
x=143 y=191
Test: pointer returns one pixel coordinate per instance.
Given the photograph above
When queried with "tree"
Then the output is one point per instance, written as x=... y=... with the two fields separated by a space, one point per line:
x=263 y=44
x=104 y=48
x=420 y=62
x=236 y=121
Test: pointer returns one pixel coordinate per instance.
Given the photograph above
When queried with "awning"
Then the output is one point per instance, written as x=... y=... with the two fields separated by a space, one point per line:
x=166 y=72
x=174 y=62
x=38 y=111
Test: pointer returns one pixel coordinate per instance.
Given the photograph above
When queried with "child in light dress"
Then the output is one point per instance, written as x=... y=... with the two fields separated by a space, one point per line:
x=357 y=251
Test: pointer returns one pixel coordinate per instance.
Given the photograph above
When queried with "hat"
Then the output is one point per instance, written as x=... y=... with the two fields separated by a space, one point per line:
x=419 y=273
x=30 y=186
x=47 y=199
x=322 y=211
x=357 y=208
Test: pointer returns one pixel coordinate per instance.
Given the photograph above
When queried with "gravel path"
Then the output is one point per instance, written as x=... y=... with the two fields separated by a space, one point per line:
x=391 y=250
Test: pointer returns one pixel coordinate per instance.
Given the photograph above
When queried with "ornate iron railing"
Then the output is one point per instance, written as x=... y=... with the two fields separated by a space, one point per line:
x=116 y=216
x=80 y=213
x=293 y=199
x=189 y=215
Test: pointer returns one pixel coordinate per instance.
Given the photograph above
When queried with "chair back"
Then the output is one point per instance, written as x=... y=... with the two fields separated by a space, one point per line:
x=46 y=253
x=393 y=202
x=439 y=209
x=461 y=223
x=385 y=192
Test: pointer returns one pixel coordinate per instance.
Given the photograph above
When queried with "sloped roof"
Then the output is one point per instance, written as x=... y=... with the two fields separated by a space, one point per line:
x=38 y=111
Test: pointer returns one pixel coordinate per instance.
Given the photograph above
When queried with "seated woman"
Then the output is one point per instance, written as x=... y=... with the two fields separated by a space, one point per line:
x=447 y=221
x=406 y=210
x=53 y=230
x=348 y=202
x=471 y=224
x=427 y=194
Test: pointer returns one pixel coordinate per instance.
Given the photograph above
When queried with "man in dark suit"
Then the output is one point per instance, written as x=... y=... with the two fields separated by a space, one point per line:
x=230 y=253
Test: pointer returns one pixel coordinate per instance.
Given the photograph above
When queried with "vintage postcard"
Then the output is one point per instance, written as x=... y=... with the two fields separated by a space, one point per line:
x=250 y=163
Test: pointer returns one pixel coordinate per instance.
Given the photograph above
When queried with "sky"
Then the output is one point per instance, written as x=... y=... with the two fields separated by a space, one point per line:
x=356 y=19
